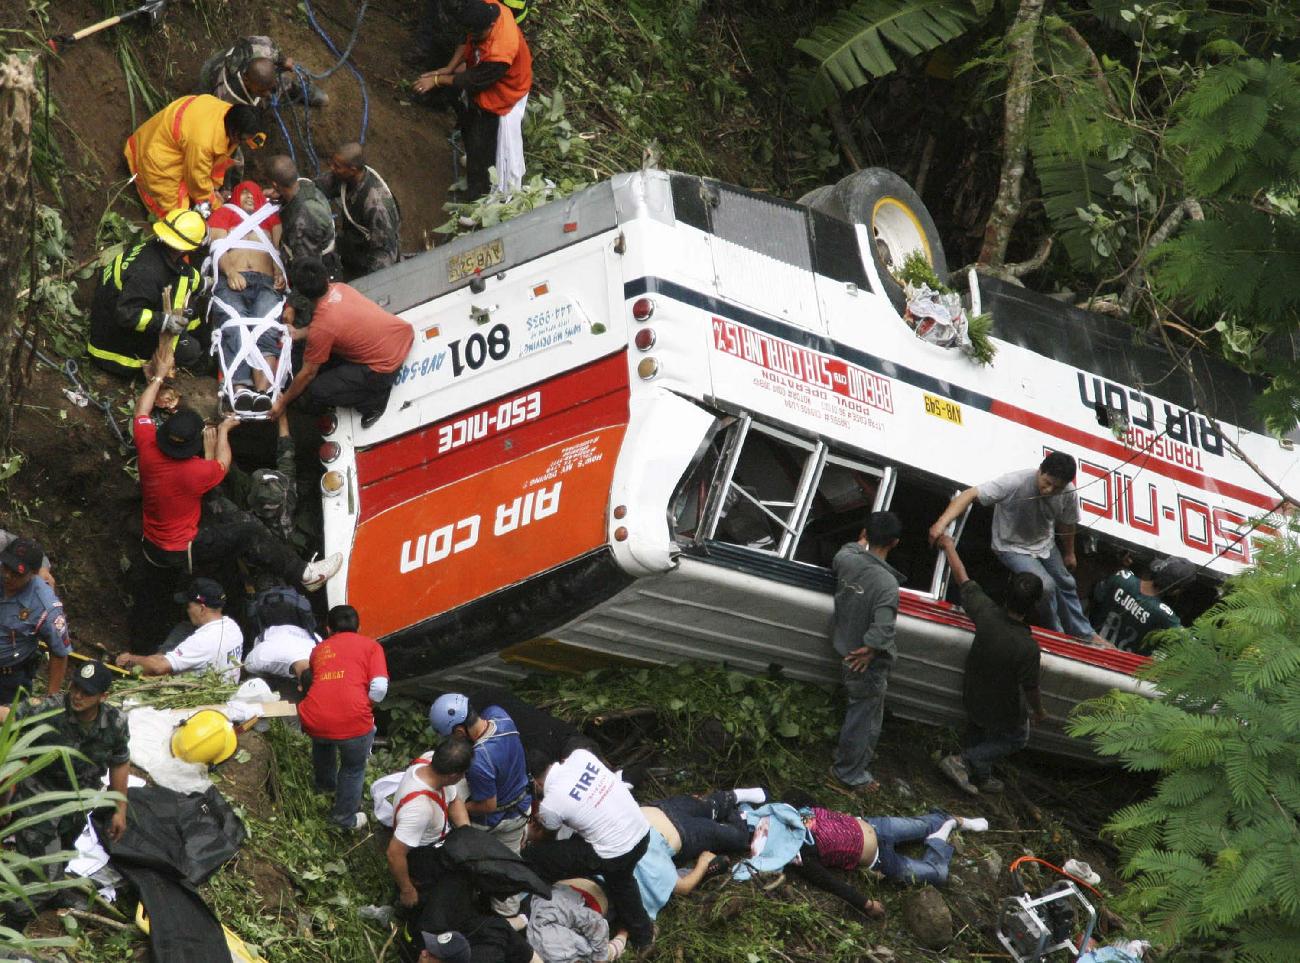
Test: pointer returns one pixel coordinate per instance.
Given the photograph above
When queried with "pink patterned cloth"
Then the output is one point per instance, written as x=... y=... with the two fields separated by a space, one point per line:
x=838 y=837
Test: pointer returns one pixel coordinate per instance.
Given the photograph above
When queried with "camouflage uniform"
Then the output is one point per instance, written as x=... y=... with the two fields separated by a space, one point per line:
x=369 y=225
x=308 y=226
x=104 y=743
x=220 y=73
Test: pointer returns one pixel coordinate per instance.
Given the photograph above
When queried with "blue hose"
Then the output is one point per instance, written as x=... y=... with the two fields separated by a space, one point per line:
x=343 y=60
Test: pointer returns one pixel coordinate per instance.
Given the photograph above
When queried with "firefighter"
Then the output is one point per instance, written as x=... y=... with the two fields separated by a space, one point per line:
x=128 y=313
x=180 y=155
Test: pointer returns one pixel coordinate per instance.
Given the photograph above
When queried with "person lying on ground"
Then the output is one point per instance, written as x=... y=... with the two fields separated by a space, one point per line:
x=610 y=834
x=1000 y=678
x=286 y=635
x=249 y=283
x=847 y=842
x=179 y=464
x=30 y=614
x=215 y=640
x=499 y=801
x=573 y=924
x=143 y=294
x=354 y=348
x=694 y=824
x=370 y=222
x=1035 y=512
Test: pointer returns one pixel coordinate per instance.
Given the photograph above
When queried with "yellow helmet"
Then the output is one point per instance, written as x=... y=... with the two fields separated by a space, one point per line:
x=207 y=738
x=182 y=230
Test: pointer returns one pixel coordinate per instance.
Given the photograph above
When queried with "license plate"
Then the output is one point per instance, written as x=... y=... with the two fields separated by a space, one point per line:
x=476 y=259
x=943 y=408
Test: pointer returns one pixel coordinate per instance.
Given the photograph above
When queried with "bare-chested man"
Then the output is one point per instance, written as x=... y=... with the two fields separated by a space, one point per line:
x=249 y=282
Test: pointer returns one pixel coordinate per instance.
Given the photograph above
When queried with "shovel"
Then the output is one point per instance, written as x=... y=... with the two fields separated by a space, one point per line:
x=150 y=8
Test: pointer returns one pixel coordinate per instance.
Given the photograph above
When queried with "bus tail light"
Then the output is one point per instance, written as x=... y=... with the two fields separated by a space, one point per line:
x=645 y=339
x=620 y=511
x=331 y=483
x=328 y=423
x=620 y=534
x=329 y=452
x=647 y=369
x=643 y=309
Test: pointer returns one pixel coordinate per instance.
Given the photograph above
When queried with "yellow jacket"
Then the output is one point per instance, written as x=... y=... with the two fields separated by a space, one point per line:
x=179 y=156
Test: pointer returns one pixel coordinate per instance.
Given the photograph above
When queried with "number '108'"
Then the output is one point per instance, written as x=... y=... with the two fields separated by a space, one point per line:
x=478 y=349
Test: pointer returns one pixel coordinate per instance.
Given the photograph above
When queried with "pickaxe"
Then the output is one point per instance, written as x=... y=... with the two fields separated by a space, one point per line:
x=150 y=8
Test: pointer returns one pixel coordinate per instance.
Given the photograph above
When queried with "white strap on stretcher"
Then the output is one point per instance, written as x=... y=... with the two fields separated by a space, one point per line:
x=250 y=329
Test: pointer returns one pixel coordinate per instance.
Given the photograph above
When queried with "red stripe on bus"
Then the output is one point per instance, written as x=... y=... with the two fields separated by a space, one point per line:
x=1145 y=461
x=944 y=613
x=579 y=401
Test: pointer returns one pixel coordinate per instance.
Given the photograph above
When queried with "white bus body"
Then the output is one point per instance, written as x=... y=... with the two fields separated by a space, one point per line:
x=635 y=424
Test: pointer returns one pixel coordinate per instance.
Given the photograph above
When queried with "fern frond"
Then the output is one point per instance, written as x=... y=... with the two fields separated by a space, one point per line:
x=855 y=46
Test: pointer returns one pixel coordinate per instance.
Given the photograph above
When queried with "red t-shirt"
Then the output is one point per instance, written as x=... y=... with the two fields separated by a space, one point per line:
x=337 y=705
x=349 y=325
x=227 y=217
x=172 y=489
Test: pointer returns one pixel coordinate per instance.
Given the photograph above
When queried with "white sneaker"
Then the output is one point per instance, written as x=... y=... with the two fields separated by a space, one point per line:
x=320 y=571
x=359 y=822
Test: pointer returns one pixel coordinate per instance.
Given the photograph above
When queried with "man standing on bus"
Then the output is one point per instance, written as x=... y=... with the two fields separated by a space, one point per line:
x=866 y=608
x=1034 y=515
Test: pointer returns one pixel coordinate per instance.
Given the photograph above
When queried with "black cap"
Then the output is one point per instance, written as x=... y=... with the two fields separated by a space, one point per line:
x=451 y=947
x=1171 y=571
x=93 y=678
x=182 y=435
x=23 y=556
x=205 y=591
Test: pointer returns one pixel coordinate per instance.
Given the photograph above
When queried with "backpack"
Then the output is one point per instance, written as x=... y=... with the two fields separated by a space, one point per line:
x=282 y=605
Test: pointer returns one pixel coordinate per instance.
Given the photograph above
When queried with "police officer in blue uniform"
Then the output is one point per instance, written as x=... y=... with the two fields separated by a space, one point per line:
x=30 y=613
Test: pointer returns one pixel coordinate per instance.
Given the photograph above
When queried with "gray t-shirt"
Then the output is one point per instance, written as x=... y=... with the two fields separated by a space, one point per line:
x=1024 y=522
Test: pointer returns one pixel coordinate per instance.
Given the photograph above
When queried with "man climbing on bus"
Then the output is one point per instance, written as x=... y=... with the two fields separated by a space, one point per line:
x=354 y=347
x=1000 y=679
x=866 y=608
x=1034 y=516
x=1127 y=608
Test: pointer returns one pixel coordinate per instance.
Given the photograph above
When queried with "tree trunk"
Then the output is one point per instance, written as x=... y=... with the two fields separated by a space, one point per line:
x=1015 y=132
x=17 y=94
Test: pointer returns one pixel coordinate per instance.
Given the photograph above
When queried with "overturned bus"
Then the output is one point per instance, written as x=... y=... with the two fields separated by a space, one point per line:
x=637 y=423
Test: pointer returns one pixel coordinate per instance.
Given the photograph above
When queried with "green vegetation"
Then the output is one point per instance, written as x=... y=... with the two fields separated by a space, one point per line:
x=917 y=271
x=23 y=878
x=1213 y=852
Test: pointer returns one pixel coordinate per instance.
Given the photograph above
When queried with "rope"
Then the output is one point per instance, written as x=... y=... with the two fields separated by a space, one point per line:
x=344 y=59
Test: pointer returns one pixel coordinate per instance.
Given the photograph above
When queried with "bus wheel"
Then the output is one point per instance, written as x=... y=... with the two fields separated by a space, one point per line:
x=894 y=216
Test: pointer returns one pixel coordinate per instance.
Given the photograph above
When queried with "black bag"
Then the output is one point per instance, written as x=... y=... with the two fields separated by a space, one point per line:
x=282 y=605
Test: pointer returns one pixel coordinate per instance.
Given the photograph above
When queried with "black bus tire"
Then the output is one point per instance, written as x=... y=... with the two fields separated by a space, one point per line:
x=893 y=215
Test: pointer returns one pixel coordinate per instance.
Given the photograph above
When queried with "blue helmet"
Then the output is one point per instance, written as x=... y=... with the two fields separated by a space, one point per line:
x=447 y=712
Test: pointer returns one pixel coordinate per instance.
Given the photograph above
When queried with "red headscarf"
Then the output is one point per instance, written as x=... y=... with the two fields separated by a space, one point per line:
x=226 y=218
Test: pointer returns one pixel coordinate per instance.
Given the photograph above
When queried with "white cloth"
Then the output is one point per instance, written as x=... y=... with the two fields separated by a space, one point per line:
x=91 y=860
x=218 y=644
x=1024 y=522
x=151 y=749
x=584 y=795
x=510 y=148
x=420 y=821
x=278 y=648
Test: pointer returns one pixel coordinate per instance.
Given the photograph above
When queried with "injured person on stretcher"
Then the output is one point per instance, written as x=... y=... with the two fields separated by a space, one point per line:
x=248 y=296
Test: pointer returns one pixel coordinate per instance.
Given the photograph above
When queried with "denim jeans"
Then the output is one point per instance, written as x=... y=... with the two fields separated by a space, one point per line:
x=985 y=747
x=711 y=823
x=258 y=298
x=340 y=766
x=1060 y=593
x=892 y=831
x=862 y=720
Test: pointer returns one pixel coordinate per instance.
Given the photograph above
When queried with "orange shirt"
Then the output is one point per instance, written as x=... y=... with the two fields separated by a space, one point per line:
x=504 y=44
x=179 y=156
x=348 y=325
